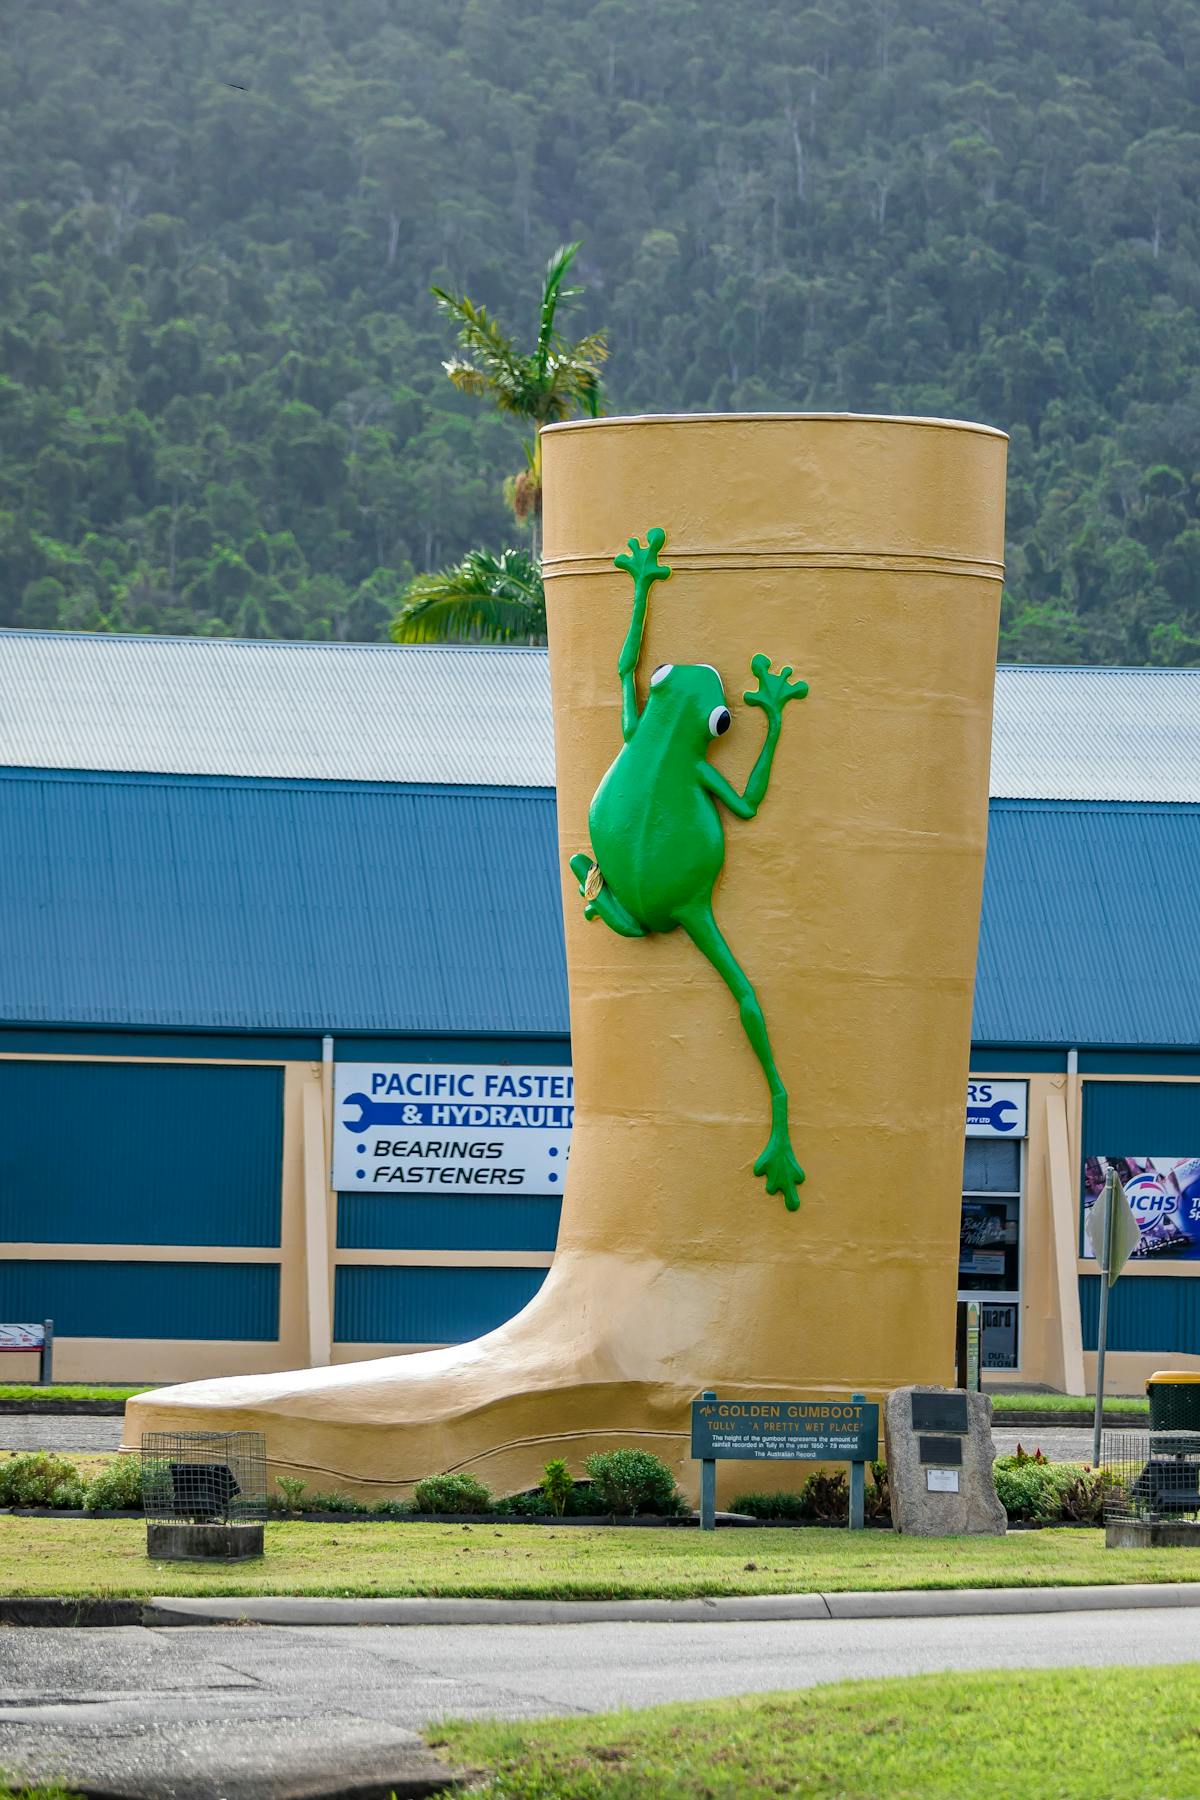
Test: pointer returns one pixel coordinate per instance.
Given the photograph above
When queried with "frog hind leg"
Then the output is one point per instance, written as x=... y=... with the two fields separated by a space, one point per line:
x=603 y=904
x=777 y=1164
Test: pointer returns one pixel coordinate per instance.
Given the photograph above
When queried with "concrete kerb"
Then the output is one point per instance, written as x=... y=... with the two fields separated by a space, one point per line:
x=286 y=1610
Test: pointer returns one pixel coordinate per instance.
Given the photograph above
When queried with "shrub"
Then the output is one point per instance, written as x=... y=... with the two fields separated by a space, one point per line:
x=826 y=1496
x=291 y=1488
x=1083 y=1493
x=633 y=1481
x=391 y=1509
x=117 y=1488
x=1031 y=1487
x=532 y=1504
x=334 y=1503
x=557 y=1485
x=877 y=1501
x=31 y=1479
x=769 y=1506
x=452 y=1494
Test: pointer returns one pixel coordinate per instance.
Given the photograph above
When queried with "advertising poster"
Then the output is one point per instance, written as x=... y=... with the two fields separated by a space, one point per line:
x=1164 y=1194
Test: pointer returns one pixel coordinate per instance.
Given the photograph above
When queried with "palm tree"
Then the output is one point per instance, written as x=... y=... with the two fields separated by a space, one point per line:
x=482 y=599
x=558 y=379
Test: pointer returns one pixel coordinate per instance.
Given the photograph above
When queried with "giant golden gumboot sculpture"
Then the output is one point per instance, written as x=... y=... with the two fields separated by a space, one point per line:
x=867 y=553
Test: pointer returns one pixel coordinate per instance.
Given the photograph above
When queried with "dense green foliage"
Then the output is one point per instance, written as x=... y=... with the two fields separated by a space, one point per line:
x=223 y=407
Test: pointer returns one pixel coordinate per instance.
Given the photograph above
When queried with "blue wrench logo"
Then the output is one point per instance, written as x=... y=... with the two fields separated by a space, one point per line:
x=1001 y=1115
x=378 y=1112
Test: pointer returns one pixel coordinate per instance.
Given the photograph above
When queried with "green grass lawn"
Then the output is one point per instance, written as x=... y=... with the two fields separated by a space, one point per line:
x=1062 y=1734
x=1068 y=1403
x=11 y=1789
x=64 y=1391
x=107 y=1557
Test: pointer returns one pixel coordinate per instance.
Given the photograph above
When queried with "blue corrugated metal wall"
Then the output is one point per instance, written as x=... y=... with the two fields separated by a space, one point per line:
x=135 y=1153
x=202 y=902
x=145 y=1300
x=1090 y=925
x=1150 y=1312
x=432 y=1222
x=427 y=1306
x=333 y=906
x=1141 y=1118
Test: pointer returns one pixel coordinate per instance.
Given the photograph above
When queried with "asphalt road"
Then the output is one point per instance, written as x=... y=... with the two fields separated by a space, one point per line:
x=260 y=1713
x=76 y=1432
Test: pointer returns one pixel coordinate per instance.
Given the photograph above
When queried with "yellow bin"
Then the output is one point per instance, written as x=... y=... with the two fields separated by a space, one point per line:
x=865 y=552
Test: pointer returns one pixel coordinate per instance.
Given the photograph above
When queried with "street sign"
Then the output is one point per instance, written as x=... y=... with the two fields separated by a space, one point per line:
x=785 y=1430
x=1111 y=1229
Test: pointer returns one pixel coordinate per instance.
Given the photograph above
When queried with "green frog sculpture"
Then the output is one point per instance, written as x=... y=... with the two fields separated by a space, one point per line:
x=656 y=829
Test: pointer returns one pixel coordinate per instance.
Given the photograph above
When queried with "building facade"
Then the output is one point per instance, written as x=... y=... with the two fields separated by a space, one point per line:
x=231 y=870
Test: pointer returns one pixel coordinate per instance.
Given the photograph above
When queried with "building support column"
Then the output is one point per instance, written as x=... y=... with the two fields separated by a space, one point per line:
x=317 y=1267
x=1063 y=1243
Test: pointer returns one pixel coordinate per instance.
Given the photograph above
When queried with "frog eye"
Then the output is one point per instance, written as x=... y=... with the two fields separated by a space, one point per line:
x=718 y=721
x=661 y=673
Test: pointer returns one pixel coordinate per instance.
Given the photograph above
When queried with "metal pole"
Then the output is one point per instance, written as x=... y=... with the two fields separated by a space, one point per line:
x=47 y=1357
x=1104 y=1257
x=1101 y=1343
x=708 y=1484
x=858 y=1482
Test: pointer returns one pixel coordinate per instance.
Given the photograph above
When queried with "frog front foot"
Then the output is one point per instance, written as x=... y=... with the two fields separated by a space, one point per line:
x=779 y=1169
x=599 y=900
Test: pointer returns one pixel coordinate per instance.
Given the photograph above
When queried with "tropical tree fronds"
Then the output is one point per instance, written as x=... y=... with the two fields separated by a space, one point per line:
x=552 y=292
x=484 y=599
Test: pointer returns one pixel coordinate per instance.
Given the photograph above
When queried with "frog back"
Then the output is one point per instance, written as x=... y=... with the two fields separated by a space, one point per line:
x=656 y=832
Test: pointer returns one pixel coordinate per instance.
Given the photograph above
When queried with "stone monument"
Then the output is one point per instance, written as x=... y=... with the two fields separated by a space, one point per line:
x=939 y=1458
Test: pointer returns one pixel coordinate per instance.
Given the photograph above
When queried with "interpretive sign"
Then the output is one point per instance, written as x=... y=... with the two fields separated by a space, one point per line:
x=22 y=1337
x=816 y=1430
x=38 y=1338
x=432 y=1127
x=785 y=1430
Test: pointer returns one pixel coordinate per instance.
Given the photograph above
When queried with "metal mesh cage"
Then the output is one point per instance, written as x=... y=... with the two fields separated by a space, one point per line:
x=204 y=1477
x=1151 y=1475
x=1174 y=1405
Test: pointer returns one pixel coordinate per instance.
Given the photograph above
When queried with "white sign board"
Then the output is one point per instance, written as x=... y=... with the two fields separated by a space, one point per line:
x=996 y=1108
x=424 y=1128
x=22 y=1337
x=941 y=1481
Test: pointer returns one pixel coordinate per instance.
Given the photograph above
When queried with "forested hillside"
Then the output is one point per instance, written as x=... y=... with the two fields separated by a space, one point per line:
x=222 y=407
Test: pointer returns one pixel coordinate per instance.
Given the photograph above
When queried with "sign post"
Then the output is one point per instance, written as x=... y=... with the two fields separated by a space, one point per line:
x=708 y=1483
x=1112 y=1231
x=817 y=1430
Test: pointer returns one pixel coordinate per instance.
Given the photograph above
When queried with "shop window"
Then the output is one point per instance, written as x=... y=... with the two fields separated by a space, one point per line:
x=989 y=1254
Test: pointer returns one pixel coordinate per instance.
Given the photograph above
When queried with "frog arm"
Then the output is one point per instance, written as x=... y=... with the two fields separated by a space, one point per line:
x=745 y=805
x=643 y=564
x=771 y=696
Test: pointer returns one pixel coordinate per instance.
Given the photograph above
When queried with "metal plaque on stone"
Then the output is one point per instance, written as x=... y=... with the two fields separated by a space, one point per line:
x=939 y=1411
x=944 y=1450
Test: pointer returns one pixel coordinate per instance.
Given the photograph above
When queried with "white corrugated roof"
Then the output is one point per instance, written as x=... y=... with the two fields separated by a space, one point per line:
x=481 y=716
x=1096 y=734
x=326 y=712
